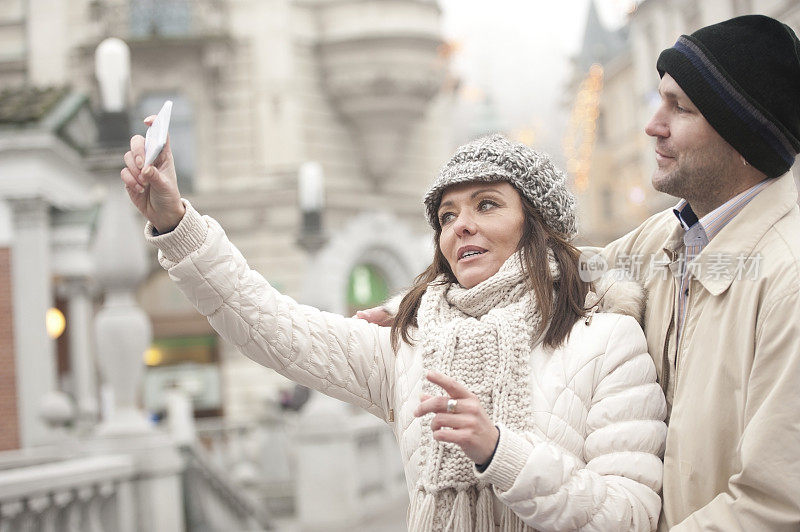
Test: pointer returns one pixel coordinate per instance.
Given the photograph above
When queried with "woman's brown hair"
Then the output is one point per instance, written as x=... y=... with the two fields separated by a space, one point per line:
x=564 y=309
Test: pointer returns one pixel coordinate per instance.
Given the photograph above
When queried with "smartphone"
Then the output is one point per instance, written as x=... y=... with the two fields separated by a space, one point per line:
x=156 y=137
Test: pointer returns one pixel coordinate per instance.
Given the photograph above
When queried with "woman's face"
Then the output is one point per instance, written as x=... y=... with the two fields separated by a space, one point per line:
x=481 y=227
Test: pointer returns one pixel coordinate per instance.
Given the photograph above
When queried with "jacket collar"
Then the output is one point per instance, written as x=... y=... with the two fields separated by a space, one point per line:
x=739 y=237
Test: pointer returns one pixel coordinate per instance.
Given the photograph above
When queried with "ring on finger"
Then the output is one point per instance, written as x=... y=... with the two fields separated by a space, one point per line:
x=451 y=405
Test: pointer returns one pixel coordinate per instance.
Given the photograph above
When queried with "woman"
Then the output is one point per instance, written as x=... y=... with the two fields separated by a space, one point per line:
x=544 y=416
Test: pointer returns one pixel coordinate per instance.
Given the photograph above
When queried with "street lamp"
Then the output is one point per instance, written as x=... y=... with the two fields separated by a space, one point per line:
x=112 y=67
x=55 y=323
x=311 y=194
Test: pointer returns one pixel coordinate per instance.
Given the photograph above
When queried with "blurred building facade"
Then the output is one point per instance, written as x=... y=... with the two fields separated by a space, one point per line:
x=259 y=88
x=614 y=90
x=308 y=128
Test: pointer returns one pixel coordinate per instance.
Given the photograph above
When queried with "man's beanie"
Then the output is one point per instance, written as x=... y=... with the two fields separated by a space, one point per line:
x=495 y=158
x=744 y=77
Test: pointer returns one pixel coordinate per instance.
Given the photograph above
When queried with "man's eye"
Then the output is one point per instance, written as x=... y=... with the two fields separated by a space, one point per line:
x=681 y=109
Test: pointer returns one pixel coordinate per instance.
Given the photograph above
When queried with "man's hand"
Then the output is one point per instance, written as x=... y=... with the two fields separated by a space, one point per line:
x=376 y=315
x=153 y=189
x=466 y=424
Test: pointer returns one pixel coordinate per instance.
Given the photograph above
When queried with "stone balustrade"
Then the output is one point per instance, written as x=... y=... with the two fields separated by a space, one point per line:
x=90 y=494
x=257 y=455
x=348 y=468
x=328 y=468
x=213 y=501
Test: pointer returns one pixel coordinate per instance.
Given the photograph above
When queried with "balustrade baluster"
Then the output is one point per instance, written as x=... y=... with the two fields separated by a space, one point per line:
x=83 y=497
x=125 y=508
x=92 y=504
x=106 y=494
x=9 y=512
x=61 y=500
x=42 y=512
x=72 y=514
x=27 y=519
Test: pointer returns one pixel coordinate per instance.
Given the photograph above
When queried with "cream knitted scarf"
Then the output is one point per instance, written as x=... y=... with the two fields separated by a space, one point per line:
x=483 y=338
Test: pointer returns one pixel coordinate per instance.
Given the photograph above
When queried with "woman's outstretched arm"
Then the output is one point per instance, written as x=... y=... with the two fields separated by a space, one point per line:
x=345 y=358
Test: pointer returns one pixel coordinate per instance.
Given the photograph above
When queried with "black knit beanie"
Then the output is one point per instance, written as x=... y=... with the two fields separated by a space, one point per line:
x=744 y=77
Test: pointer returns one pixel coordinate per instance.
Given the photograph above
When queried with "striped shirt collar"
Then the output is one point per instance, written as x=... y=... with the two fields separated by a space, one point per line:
x=712 y=223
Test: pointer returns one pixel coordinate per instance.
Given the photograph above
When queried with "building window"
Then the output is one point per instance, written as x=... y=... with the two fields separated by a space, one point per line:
x=165 y=18
x=189 y=363
x=366 y=288
x=181 y=132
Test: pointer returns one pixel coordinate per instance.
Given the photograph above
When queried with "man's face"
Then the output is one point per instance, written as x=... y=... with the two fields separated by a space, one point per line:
x=694 y=162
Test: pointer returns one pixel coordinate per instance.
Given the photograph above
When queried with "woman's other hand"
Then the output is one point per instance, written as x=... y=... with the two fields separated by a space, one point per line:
x=467 y=425
x=154 y=188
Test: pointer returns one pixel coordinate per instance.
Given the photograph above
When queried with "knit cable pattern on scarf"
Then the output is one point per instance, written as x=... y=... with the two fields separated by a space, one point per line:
x=483 y=338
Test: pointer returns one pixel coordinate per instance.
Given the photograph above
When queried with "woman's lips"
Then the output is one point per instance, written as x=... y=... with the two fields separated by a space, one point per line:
x=470 y=258
x=471 y=249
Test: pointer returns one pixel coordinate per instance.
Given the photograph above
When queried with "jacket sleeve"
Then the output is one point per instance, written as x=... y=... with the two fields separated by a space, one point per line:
x=765 y=493
x=614 y=486
x=346 y=358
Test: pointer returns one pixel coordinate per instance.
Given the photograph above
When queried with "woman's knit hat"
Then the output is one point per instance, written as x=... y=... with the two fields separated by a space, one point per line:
x=495 y=158
x=743 y=75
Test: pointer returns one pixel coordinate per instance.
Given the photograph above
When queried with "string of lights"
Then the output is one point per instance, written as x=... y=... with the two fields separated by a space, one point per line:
x=581 y=129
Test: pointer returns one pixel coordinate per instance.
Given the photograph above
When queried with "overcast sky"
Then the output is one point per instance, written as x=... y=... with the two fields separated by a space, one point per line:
x=518 y=52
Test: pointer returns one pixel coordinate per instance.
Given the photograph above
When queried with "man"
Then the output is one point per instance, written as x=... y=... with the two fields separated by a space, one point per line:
x=723 y=276
x=722 y=272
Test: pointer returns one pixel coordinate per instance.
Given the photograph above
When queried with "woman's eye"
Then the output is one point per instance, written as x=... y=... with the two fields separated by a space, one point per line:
x=485 y=205
x=445 y=218
x=681 y=109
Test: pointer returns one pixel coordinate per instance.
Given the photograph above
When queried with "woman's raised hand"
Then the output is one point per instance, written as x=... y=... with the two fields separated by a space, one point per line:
x=465 y=423
x=154 y=188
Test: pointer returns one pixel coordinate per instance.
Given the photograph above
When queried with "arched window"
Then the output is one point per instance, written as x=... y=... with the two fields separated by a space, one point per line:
x=181 y=132
x=366 y=287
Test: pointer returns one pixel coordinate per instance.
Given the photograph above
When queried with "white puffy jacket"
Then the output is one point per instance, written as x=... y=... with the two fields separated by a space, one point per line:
x=591 y=464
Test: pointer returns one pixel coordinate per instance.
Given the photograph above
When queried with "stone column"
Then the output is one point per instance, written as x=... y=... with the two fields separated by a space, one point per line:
x=122 y=334
x=122 y=329
x=32 y=296
x=73 y=267
x=326 y=486
x=84 y=373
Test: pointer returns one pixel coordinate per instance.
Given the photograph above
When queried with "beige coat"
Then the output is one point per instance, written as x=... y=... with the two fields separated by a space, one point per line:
x=732 y=459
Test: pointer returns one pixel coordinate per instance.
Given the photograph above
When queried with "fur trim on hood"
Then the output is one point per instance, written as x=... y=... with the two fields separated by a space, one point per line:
x=617 y=292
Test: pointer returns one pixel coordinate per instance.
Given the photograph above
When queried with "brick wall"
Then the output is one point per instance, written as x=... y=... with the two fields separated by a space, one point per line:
x=9 y=422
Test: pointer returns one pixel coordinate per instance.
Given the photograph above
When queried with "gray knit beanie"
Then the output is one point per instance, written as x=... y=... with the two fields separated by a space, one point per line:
x=495 y=158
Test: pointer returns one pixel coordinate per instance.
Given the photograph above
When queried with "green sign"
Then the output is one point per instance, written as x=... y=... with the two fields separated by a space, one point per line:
x=366 y=287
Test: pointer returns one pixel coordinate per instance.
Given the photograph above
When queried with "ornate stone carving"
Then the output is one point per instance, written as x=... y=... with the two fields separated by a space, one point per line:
x=381 y=68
